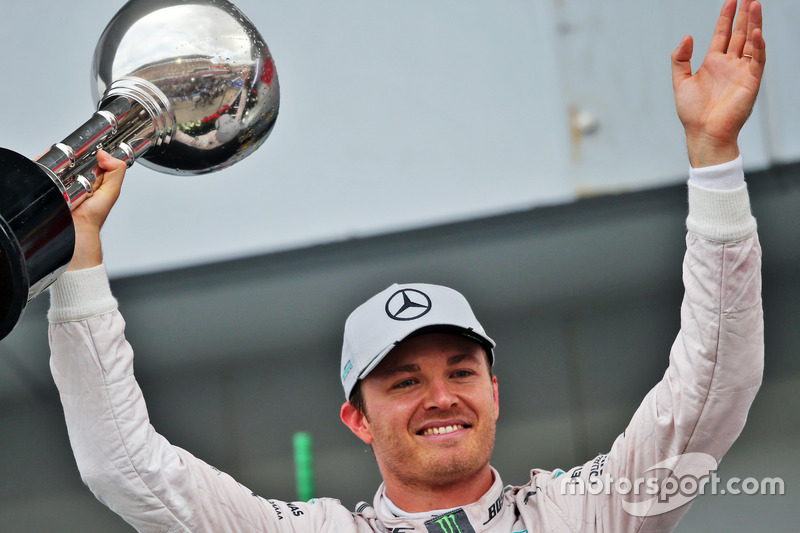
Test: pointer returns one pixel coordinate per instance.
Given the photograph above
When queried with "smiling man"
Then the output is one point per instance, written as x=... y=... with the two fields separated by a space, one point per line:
x=428 y=401
x=417 y=371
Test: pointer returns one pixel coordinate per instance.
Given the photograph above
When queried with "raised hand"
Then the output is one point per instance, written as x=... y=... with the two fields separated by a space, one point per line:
x=714 y=103
x=90 y=216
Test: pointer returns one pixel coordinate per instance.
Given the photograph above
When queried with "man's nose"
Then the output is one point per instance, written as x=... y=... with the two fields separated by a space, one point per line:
x=439 y=395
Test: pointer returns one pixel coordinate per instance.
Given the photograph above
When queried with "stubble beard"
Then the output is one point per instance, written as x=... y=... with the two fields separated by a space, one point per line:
x=430 y=468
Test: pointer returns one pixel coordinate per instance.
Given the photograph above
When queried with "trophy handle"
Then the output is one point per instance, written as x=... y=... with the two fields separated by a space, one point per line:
x=133 y=117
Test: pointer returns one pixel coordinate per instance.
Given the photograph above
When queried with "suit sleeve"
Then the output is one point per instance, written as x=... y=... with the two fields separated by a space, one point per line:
x=689 y=420
x=129 y=467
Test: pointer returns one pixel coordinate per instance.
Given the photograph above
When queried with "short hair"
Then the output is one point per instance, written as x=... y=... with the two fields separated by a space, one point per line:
x=357 y=398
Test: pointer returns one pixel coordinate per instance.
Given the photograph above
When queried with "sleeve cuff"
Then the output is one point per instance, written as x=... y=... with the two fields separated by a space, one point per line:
x=725 y=177
x=720 y=215
x=81 y=294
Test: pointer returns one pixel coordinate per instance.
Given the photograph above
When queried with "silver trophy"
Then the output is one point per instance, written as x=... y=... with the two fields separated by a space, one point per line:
x=185 y=86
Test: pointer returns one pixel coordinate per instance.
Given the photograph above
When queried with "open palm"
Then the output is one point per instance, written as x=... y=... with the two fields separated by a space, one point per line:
x=714 y=103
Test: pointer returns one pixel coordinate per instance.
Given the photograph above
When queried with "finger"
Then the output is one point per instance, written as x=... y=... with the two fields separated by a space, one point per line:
x=722 y=32
x=114 y=172
x=739 y=37
x=107 y=161
x=759 y=55
x=682 y=61
x=754 y=23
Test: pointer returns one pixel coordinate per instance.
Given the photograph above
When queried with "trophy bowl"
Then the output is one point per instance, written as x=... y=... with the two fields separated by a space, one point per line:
x=184 y=86
x=214 y=72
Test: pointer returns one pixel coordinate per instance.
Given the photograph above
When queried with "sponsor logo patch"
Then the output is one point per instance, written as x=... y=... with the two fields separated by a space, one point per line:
x=455 y=522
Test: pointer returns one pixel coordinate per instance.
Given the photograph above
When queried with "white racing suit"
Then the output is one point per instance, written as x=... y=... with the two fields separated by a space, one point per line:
x=700 y=405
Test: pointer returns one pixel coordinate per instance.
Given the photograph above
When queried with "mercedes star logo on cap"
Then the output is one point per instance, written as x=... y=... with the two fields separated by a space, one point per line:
x=407 y=304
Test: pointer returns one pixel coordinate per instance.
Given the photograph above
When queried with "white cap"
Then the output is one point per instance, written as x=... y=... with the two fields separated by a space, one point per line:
x=396 y=313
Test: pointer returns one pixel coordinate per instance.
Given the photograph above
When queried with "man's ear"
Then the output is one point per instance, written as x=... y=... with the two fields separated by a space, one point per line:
x=356 y=421
x=496 y=392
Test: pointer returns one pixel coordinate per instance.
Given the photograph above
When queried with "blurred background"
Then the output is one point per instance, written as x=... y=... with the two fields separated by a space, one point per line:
x=526 y=153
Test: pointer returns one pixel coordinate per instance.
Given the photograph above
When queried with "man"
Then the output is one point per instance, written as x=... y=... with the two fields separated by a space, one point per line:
x=416 y=369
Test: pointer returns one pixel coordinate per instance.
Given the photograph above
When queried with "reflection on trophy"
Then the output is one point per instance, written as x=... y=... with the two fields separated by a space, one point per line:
x=186 y=87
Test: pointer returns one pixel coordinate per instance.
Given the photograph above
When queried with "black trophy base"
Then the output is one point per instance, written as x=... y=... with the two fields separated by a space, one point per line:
x=37 y=237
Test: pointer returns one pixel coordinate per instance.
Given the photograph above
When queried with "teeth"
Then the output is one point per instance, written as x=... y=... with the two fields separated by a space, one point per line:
x=442 y=430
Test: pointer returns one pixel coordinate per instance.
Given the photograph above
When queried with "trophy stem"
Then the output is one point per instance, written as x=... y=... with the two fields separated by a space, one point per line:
x=131 y=119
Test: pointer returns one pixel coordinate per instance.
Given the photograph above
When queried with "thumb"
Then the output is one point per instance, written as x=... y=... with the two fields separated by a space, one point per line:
x=113 y=173
x=682 y=61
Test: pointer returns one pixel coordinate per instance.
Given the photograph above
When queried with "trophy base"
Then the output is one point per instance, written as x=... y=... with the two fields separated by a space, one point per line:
x=37 y=237
x=13 y=285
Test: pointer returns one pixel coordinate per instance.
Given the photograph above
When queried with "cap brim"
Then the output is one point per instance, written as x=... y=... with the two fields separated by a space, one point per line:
x=485 y=342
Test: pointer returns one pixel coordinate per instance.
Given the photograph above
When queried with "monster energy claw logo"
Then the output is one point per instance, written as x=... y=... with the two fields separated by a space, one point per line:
x=448 y=524
x=455 y=522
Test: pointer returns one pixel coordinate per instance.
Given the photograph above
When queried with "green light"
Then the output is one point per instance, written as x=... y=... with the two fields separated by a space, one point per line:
x=304 y=465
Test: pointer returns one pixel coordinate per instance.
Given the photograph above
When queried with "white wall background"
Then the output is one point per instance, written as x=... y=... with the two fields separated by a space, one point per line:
x=403 y=114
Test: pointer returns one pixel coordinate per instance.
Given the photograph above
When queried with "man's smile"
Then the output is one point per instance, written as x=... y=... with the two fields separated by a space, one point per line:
x=441 y=430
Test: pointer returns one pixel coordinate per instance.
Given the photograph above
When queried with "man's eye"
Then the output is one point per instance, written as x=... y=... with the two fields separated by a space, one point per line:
x=462 y=373
x=405 y=383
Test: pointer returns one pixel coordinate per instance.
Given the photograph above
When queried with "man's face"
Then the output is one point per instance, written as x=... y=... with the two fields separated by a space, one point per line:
x=431 y=409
